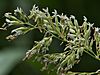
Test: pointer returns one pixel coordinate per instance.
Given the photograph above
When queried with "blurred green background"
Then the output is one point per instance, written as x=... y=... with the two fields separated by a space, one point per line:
x=11 y=53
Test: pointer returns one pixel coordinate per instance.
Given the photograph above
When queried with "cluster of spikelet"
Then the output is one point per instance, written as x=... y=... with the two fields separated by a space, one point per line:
x=76 y=38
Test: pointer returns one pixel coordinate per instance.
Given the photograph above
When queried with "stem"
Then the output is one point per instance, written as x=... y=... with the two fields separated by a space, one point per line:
x=30 y=24
x=91 y=55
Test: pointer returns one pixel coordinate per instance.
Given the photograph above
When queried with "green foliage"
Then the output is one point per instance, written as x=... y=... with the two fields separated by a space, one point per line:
x=12 y=58
x=76 y=38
